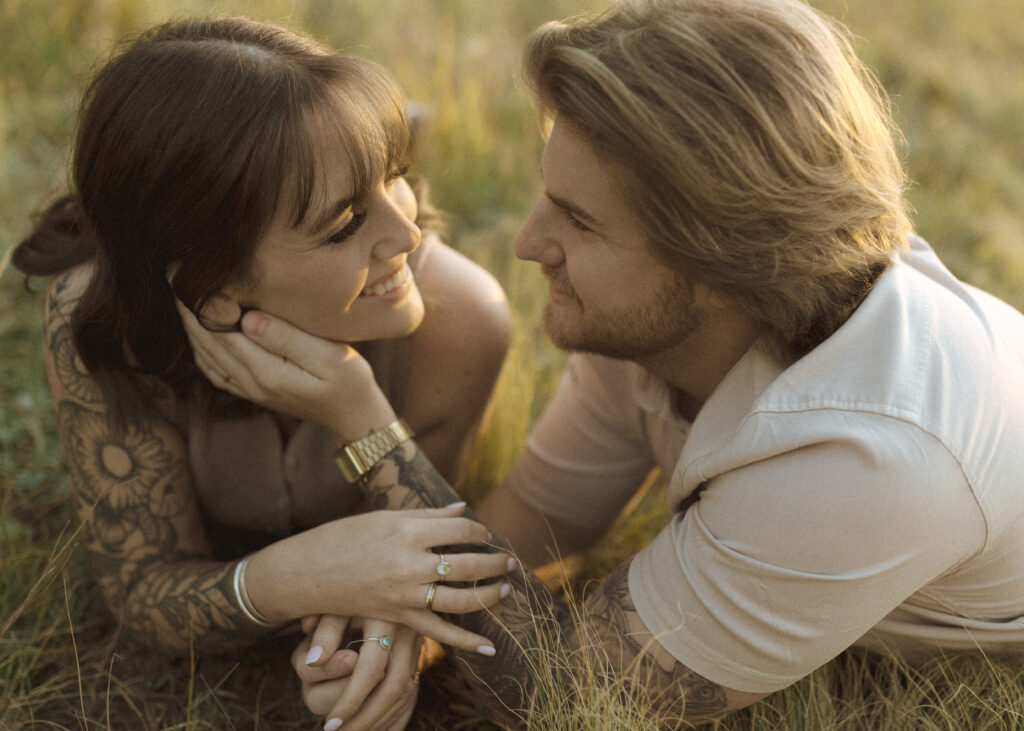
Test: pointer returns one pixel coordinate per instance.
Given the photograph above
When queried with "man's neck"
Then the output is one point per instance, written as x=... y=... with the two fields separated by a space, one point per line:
x=695 y=367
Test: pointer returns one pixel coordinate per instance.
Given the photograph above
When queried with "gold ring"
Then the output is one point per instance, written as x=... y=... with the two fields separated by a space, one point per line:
x=431 y=590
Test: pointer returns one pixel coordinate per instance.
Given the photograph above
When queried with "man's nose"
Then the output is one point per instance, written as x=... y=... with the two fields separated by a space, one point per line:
x=535 y=242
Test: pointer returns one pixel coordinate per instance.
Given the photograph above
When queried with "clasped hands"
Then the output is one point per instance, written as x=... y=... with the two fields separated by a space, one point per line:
x=367 y=684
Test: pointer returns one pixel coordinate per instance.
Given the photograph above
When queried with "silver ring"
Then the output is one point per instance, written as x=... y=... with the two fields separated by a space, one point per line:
x=384 y=641
x=443 y=568
x=431 y=590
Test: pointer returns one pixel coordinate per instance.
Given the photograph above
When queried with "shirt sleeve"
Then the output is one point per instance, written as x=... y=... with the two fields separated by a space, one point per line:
x=587 y=455
x=785 y=562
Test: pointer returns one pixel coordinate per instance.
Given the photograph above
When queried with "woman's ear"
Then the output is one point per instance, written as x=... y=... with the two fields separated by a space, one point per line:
x=220 y=313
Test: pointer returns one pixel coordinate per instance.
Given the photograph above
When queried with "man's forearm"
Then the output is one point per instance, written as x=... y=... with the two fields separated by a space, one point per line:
x=527 y=620
x=537 y=636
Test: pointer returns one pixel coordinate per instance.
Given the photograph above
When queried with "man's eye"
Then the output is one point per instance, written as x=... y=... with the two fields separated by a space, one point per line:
x=576 y=223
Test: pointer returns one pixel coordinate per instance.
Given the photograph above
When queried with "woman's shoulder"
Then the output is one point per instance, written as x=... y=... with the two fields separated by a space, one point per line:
x=69 y=378
x=65 y=291
x=465 y=304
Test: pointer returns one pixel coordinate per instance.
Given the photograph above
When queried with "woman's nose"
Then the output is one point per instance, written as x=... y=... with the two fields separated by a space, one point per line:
x=399 y=234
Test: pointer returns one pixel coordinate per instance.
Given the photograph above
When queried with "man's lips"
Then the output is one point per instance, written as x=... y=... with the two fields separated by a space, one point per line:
x=559 y=287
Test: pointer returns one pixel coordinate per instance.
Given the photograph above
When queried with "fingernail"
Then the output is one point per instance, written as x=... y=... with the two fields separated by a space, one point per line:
x=254 y=323
x=314 y=654
x=506 y=589
x=483 y=650
x=455 y=505
x=333 y=725
x=511 y=563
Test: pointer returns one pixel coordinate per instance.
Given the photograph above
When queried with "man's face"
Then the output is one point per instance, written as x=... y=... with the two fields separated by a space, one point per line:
x=608 y=293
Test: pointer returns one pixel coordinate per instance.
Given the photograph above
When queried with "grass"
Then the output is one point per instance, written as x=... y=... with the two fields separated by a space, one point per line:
x=956 y=74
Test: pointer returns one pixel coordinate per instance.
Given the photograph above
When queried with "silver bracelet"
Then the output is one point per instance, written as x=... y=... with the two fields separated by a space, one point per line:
x=242 y=597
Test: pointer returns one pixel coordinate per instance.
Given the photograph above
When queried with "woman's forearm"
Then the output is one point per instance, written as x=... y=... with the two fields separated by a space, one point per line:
x=188 y=604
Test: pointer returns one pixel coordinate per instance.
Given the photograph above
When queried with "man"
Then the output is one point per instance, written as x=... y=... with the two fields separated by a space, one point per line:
x=839 y=418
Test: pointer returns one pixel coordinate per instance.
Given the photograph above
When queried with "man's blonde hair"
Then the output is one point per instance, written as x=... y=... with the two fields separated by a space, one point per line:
x=755 y=148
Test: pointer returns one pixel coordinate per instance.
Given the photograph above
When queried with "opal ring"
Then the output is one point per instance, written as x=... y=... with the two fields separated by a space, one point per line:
x=443 y=568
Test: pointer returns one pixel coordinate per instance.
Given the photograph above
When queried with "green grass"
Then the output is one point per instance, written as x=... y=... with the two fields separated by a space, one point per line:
x=956 y=73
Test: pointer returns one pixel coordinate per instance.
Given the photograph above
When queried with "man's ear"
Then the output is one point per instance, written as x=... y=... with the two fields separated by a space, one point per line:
x=220 y=313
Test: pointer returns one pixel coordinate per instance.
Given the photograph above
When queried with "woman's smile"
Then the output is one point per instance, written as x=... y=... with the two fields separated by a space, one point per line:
x=392 y=286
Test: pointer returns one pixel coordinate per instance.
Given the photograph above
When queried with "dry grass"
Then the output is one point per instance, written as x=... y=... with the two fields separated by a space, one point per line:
x=956 y=71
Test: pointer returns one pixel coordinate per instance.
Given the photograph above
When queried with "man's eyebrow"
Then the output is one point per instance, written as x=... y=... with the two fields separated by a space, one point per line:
x=329 y=216
x=573 y=209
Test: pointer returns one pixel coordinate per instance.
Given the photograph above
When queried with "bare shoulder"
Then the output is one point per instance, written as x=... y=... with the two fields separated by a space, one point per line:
x=466 y=307
x=64 y=292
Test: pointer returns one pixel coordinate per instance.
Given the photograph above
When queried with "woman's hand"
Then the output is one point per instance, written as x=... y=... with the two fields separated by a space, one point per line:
x=370 y=683
x=383 y=564
x=285 y=369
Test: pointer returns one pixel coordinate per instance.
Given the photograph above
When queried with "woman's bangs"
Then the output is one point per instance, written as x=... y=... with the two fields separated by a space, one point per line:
x=368 y=122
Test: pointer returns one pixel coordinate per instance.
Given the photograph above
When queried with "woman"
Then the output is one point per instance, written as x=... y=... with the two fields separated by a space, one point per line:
x=223 y=165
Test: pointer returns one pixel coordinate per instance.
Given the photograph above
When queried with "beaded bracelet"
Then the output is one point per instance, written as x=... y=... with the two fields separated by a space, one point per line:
x=244 y=602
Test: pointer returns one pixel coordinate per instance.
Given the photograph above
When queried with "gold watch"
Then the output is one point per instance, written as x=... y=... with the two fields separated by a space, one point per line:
x=357 y=458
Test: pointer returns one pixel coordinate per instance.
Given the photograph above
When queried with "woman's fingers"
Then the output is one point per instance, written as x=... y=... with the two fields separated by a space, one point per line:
x=377 y=709
x=466 y=567
x=463 y=600
x=314 y=355
x=322 y=684
x=326 y=638
x=429 y=624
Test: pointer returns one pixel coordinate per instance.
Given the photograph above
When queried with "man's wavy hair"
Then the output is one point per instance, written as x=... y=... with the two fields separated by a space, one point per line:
x=754 y=147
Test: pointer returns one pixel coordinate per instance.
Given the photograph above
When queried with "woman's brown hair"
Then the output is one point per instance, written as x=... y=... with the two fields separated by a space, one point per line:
x=188 y=140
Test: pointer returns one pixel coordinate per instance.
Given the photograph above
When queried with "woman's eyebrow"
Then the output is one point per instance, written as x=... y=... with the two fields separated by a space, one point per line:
x=329 y=216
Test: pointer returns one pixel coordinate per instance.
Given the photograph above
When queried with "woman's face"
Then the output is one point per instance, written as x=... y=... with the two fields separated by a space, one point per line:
x=342 y=275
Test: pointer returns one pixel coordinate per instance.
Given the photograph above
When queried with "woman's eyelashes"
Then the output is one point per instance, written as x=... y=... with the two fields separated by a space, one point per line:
x=349 y=229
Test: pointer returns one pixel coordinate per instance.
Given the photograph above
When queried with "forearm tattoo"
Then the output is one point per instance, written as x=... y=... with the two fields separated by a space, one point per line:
x=139 y=514
x=536 y=634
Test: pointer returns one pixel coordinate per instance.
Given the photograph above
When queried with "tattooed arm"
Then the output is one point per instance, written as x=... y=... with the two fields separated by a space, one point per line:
x=141 y=521
x=139 y=512
x=537 y=636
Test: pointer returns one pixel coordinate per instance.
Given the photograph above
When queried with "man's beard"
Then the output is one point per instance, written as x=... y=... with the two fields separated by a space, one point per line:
x=651 y=324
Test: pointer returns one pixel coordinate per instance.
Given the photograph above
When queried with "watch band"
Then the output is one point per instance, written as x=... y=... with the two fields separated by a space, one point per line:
x=357 y=458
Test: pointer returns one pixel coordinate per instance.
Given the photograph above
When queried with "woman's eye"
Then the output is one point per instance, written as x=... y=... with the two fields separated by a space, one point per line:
x=395 y=175
x=349 y=229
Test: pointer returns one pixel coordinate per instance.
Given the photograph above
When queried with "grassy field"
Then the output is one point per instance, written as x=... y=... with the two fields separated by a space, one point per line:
x=956 y=73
